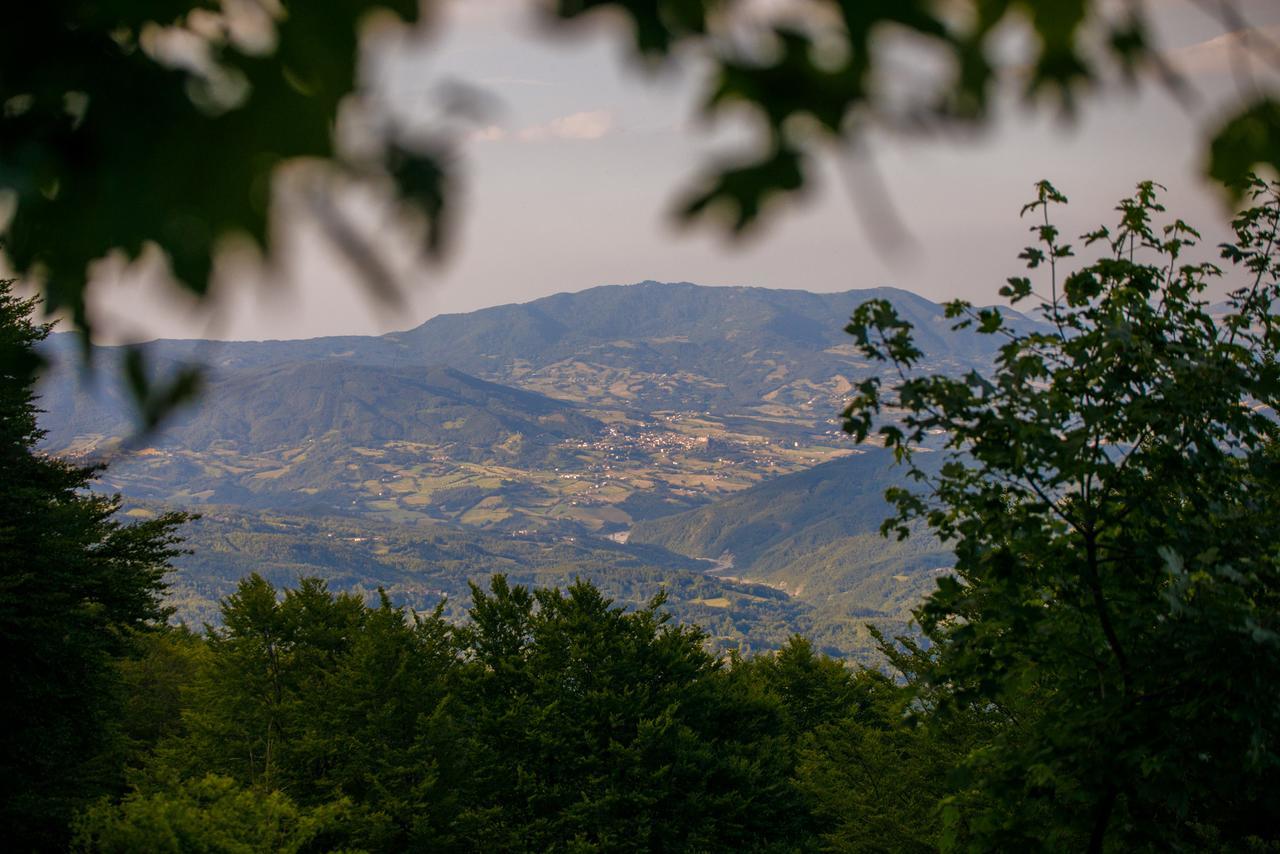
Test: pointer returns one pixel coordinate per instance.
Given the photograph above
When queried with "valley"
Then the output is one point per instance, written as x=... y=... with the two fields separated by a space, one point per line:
x=604 y=448
x=629 y=468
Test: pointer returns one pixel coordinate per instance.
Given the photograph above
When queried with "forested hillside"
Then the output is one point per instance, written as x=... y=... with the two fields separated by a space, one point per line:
x=764 y=529
x=550 y=721
x=425 y=567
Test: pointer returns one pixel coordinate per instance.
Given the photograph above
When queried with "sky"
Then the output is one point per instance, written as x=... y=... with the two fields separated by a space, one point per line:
x=570 y=178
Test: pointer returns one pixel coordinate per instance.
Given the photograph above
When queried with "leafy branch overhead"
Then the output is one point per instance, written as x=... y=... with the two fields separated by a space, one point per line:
x=135 y=122
x=820 y=73
x=167 y=122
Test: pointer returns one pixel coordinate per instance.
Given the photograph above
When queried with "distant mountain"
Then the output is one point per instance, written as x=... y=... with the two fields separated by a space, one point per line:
x=587 y=411
x=650 y=344
x=560 y=326
x=267 y=408
x=684 y=346
x=698 y=421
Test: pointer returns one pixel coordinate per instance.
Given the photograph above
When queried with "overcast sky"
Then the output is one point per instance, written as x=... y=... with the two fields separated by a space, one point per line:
x=570 y=181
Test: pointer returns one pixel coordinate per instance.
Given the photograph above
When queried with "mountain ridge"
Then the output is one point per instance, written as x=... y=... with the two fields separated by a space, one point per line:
x=336 y=345
x=666 y=396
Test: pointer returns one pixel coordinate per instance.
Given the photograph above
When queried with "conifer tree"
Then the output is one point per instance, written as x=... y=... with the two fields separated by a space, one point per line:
x=74 y=584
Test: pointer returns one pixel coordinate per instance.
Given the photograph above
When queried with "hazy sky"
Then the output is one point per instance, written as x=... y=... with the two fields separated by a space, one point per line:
x=570 y=182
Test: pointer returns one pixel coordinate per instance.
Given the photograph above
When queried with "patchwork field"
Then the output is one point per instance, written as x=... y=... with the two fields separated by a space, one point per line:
x=633 y=469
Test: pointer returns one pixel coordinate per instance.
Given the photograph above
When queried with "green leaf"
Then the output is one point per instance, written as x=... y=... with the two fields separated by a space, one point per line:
x=1249 y=139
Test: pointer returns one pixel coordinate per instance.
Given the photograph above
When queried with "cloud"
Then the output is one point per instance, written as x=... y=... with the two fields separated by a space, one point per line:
x=587 y=125
x=491 y=133
x=513 y=81
x=1217 y=54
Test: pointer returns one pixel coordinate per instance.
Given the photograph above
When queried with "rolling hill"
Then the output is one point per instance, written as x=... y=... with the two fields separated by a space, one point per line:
x=815 y=535
x=426 y=566
x=267 y=408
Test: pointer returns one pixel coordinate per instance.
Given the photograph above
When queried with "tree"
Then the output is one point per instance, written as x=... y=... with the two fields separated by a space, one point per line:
x=265 y=666
x=326 y=702
x=876 y=773
x=601 y=729
x=1112 y=492
x=210 y=814
x=814 y=689
x=75 y=583
x=551 y=721
x=154 y=683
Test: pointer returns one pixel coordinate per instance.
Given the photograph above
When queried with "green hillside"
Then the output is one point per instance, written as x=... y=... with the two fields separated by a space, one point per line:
x=814 y=534
x=284 y=406
x=423 y=566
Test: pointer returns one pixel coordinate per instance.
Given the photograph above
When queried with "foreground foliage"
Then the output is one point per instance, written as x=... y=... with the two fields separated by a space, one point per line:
x=550 y=721
x=1113 y=495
